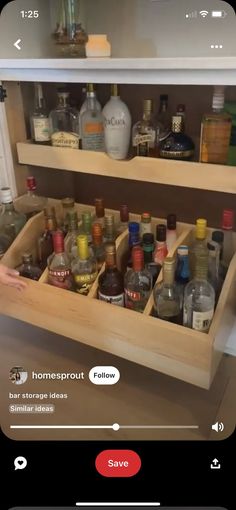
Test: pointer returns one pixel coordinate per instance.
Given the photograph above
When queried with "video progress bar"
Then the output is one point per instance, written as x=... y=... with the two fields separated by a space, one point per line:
x=114 y=427
x=119 y=504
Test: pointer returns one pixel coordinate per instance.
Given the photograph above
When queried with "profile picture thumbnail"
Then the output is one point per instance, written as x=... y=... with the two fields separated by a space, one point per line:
x=18 y=375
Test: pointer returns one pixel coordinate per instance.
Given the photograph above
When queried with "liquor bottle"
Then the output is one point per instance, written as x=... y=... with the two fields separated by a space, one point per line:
x=215 y=131
x=99 y=212
x=163 y=119
x=199 y=245
x=39 y=120
x=214 y=267
x=68 y=207
x=181 y=113
x=11 y=221
x=182 y=273
x=5 y=243
x=148 y=250
x=31 y=203
x=45 y=242
x=90 y=93
x=146 y=224
x=228 y=247
x=134 y=240
x=84 y=267
x=111 y=282
x=117 y=126
x=98 y=245
x=160 y=252
x=177 y=145
x=137 y=282
x=218 y=237
x=64 y=123
x=86 y=227
x=59 y=268
x=230 y=108
x=171 y=233
x=124 y=219
x=28 y=269
x=199 y=298
x=167 y=302
x=71 y=238
x=144 y=132
x=109 y=230
x=92 y=127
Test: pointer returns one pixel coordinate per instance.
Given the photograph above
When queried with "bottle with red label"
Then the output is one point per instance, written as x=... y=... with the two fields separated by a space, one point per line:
x=138 y=282
x=59 y=269
x=161 y=250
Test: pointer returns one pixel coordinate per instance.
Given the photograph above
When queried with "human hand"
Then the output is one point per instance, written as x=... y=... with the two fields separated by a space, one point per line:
x=9 y=277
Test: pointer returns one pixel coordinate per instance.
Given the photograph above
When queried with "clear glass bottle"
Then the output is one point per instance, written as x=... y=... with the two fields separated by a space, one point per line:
x=59 y=266
x=86 y=227
x=110 y=229
x=68 y=207
x=90 y=94
x=5 y=243
x=39 y=120
x=214 y=268
x=92 y=127
x=31 y=203
x=11 y=221
x=45 y=241
x=111 y=282
x=216 y=131
x=182 y=273
x=228 y=246
x=99 y=212
x=71 y=238
x=163 y=119
x=124 y=219
x=177 y=145
x=146 y=224
x=98 y=245
x=134 y=240
x=160 y=252
x=117 y=126
x=199 y=245
x=137 y=282
x=166 y=297
x=84 y=267
x=148 y=251
x=218 y=237
x=199 y=298
x=64 y=122
x=69 y=35
x=171 y=232
x=144 y=133
x=28 y=269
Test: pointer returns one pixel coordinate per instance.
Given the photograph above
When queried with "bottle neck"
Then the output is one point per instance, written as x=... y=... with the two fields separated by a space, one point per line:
x=111 y=261
x=50 y=224
x=168 y=277
x=63 y=101
x=83 y=249
x=134 y=239
x=148 y=253
x=9 y=206
x=147 y=115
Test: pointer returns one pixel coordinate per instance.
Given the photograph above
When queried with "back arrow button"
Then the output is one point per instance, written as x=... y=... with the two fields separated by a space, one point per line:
x=16 y=44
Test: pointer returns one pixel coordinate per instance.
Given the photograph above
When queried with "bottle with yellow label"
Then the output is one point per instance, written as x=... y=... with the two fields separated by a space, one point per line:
x=216 y=131
x=84 y=266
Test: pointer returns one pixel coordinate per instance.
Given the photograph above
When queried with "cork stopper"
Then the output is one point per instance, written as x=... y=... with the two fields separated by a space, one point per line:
x=228 y=219
x=201 y=226
x=82 y=245
x=124 y=213
x=97 y=233
x=161 y=233
x=99 y=206
x=171 y=221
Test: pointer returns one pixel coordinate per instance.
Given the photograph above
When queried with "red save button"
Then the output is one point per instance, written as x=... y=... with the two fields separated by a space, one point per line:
x=118 y=463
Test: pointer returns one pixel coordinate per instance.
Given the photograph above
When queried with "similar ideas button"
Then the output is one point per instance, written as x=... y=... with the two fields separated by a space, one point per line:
x=118 y=463
x=104 y=375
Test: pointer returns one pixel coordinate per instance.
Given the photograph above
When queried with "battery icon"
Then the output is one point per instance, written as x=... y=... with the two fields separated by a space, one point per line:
x=218 y=14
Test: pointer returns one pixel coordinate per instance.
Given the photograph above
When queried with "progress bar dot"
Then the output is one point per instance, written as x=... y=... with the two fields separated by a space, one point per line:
x=116 y=426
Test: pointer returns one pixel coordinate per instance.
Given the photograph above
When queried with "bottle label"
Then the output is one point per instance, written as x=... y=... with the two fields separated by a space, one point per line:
x=63 y=139
x=114 y=122
x=160 y=253
x=113 y=300
x=201 y=320
x=93 y=137
x=41 y=130
x=131 y=295
x=144 y=139
x=215 y=138
x=84 y=282
x=61 y=278
x=176 y=154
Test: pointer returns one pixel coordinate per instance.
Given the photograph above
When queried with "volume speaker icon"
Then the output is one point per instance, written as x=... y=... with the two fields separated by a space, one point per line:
x=204 y=13
x=218 y=427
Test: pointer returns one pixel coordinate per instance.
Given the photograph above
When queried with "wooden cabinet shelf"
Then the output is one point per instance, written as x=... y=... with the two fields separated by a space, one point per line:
x=204 y=176
x=168 y=348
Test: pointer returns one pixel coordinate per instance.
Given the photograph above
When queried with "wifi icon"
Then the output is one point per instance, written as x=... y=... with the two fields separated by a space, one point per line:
x=204 y=13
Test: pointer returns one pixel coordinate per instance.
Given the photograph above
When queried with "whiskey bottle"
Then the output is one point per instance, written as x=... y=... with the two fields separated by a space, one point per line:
x=39 y=120
x=28 y=269
x=31 y=203
x=110 y=230
x=146 y=224
x=216 y=131
x=59 y=268
x=64 y=122
x=110 y=282
x=171 y=233
x=124 y=219
x=148 y=251
x=199 y=245
x=199 y=298
x=160 y=252
x=177 y=145
x=84 y=267
x=97 y=246
x=11 y=221
x=117 y=126
x=92 y=127
x=144 y=132
x=45 y=242
x=137 y=282
x=166 y=297
x=71 y=238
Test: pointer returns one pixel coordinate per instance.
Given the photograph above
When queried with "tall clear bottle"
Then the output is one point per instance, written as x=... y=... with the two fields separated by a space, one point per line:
x=31 y=203
x=124 y=219
x=64 y=121
x=11 y=221
x=45 y=241
x=137 y=282
x=59 y=267
x=166 y=297
x=90 y=94
x=117 y=126
x=84 y=267
x=92 y=127
x=39 y=120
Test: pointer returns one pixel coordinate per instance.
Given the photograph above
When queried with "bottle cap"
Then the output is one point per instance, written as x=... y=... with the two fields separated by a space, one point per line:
x=68 y=202
x=169 y=264
x=161 y=233
x=201 y=225
x=176 y=124
x=109 y=220
x=134 y=227
x=86 y=219
x=182 y=250
x=97 y=231
x=58 y=241
x=163 y=97
x=6 y=196
x=146 y=217
x=110 y=248
x=218 y=236
x=124 y=213
x=171 y=221
x=181 y=108
x=82 y=244
x=148 y=238
x=228 y=219
x=99 y=206
x=218 y=98
x=31 y=183
x=114 y=90
x=148 y=105
x=90 y=87
x=137 y=258
x=213 y=246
